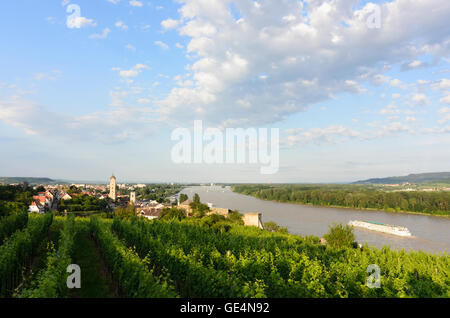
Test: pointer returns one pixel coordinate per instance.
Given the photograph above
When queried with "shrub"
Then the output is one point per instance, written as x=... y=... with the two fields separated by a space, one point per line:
x=340 y=236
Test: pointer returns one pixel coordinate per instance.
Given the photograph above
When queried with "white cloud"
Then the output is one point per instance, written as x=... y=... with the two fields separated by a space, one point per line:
x=144 y=101
x=398 y=83
x=79 y=22
x=170 y=24
x=115 y=125
x=130 y=47
x=445 y=99
x=162 y=45
x=102 y=35
x=114 y=1
x=305 y=66
x=135 y=3
x=410 y=119
x=133 y=72
x=390 y=110
x=319 y=135
x=443 y=84
x=445 y=115
x=415 y=64
x=420 y=99
x=51 y=76
x=121 y=25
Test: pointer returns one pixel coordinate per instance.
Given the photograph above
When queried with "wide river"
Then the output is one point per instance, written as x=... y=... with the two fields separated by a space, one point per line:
x=430 y=233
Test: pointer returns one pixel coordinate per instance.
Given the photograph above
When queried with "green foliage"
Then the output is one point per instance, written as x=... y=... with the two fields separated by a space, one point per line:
x=80 y=203
x=173 y=214
x=198 y=208
x=340 y=236
x=183 y=197
x=353 y=196
x=15 y=199
x=12 y=223
x=18 y=249
x=272 y=226
x=158 y=192
x=125 y=213
x=51 y=282
x=235 y=217
x=132 y=274
x=249 y=262
x=73 y=190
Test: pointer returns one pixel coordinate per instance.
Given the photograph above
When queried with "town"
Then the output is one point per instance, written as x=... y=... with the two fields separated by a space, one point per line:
x=114 y=197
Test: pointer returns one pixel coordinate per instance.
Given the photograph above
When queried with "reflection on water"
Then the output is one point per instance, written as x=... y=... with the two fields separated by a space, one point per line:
x=430 y=233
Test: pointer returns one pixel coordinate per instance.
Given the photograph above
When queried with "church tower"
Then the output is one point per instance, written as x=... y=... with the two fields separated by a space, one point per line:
x=133 y=198
x=112 y=188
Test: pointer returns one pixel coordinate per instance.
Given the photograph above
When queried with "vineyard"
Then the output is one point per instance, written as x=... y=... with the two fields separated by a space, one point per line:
x=163 y=259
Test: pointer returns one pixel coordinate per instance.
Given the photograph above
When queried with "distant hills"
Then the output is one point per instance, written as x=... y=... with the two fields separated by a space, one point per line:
x=29 y=180
x=443 y=177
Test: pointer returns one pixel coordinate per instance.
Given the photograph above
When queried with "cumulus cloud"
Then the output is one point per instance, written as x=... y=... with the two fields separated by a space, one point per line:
x=170 y=24
x=307 y=53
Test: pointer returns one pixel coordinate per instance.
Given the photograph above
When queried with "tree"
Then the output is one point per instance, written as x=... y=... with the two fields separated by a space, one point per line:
x=183 y=197
x=125 y=213
x=235 y=217
x=273 y=227
x=340 y=236
x=196 y=198
x=173 y=214
x=40 y=189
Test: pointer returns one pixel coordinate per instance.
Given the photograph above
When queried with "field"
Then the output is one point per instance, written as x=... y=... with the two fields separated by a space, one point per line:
x=200 y=257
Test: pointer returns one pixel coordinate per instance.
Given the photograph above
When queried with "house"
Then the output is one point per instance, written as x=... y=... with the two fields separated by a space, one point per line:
x=186 y=206
x=150 y=213
x=42 y=200
x=36 y=207
x=66 y=196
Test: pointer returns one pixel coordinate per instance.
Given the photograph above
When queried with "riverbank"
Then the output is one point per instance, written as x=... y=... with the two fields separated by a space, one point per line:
x=345 y=207
x=430 y=232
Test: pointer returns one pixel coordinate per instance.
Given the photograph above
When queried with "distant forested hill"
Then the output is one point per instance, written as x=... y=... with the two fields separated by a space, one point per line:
x=412 y=178
x=26 y=179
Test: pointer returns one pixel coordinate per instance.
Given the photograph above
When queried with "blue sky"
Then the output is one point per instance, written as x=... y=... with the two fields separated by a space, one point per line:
x=82 y=98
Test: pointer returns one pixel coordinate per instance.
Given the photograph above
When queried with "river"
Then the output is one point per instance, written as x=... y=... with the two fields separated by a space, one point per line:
x=430 y=233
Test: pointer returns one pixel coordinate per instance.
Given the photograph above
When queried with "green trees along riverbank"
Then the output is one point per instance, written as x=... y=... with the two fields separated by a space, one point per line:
x=353 y=196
